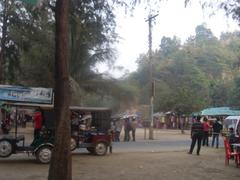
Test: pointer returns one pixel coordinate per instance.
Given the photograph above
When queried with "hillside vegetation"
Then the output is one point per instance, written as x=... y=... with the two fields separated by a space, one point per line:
x=202 y=72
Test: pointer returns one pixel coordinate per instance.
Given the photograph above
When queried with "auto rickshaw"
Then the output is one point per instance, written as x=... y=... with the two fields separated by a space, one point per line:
x=15 y=142
x=96 y=138
x=90 y=128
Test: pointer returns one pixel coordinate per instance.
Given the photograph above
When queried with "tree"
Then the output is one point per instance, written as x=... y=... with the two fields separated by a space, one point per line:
x=219 y=94
x=60 y=167
x=204 y=36
x=7 y=8
x=169 y=45
x=231 y=7
x=19 y=25
x=61 y=162
x=235 y=93
x=3 y=39
x=195 y=75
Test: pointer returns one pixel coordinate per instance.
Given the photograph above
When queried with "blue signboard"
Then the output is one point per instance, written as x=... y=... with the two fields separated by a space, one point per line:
x=26 y=94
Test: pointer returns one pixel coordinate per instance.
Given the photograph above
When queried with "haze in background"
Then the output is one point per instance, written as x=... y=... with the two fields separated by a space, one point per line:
x=173 y=20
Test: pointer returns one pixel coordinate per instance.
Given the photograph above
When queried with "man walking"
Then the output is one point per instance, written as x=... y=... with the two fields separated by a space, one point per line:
x=196 y=135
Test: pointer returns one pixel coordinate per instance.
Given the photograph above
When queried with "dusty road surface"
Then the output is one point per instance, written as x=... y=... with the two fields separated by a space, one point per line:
x=170 y=164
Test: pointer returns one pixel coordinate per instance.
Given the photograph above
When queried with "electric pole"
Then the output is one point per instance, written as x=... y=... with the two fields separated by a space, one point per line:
x=149 y=20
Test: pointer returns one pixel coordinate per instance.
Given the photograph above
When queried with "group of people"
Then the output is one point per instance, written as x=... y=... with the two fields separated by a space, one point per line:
x=200 y=133
x=129 y=125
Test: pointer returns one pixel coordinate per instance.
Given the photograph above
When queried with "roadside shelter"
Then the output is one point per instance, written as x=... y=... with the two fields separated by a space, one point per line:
x=220 y=111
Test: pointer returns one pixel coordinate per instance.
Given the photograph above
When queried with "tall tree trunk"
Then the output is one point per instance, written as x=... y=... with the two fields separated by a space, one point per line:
x=61 y=162
x=3 y=40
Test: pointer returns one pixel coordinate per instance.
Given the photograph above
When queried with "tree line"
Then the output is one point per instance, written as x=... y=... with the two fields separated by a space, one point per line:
x=202 y=72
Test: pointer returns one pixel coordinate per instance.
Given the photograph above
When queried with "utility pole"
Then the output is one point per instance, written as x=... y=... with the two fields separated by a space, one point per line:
x=149 y=20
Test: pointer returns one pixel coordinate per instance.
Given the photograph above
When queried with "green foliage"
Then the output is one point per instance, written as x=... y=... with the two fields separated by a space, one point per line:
x=92 y=28
x=199 y=73
x=169 y=46
x=192 y=76
x=235 y=93
x=31 y=47
x=231 y=7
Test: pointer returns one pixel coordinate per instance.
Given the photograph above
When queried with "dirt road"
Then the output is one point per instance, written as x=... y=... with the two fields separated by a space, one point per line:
x=164 y=165
x=131 y=166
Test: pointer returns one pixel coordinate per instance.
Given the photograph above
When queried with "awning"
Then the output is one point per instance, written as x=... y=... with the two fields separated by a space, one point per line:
x=220 y=111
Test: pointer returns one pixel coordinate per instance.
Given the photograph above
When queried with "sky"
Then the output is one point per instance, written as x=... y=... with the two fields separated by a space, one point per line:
x=173 y=20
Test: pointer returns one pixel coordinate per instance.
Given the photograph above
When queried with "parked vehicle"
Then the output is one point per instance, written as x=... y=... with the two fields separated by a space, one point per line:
x=13 y=143
x=90 y=128
x=95 y=138
x=92 y=131
x=232 y=122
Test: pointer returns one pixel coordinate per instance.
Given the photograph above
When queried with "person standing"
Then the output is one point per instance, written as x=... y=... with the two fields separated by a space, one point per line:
x=182 y=122
x=38 y=122
x=74 y=122
x=217 y=127
x=196 y=135
x=118 y=129
x=206 y=128
x=127 y=129
x=134 y=127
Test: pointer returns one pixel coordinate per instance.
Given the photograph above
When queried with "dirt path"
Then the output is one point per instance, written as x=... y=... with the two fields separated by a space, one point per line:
x=164 y=165
x=153 y=166
x=130 y=166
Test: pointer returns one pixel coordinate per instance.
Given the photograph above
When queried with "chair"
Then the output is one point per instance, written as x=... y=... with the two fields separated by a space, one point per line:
x=229 y=154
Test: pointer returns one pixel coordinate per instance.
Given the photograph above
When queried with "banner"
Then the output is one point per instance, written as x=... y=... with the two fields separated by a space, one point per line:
x=26 y=94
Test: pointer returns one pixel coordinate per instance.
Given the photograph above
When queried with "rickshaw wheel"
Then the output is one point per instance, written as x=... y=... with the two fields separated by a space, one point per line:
x=44 y=154
x=100 y=149
x=73 y=144
x=6 y=148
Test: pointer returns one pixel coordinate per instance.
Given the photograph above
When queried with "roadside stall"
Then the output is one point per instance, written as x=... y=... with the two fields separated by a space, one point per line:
x=222 y=113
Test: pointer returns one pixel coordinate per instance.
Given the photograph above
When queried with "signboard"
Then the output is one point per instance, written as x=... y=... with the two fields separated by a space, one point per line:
x=26 y=94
